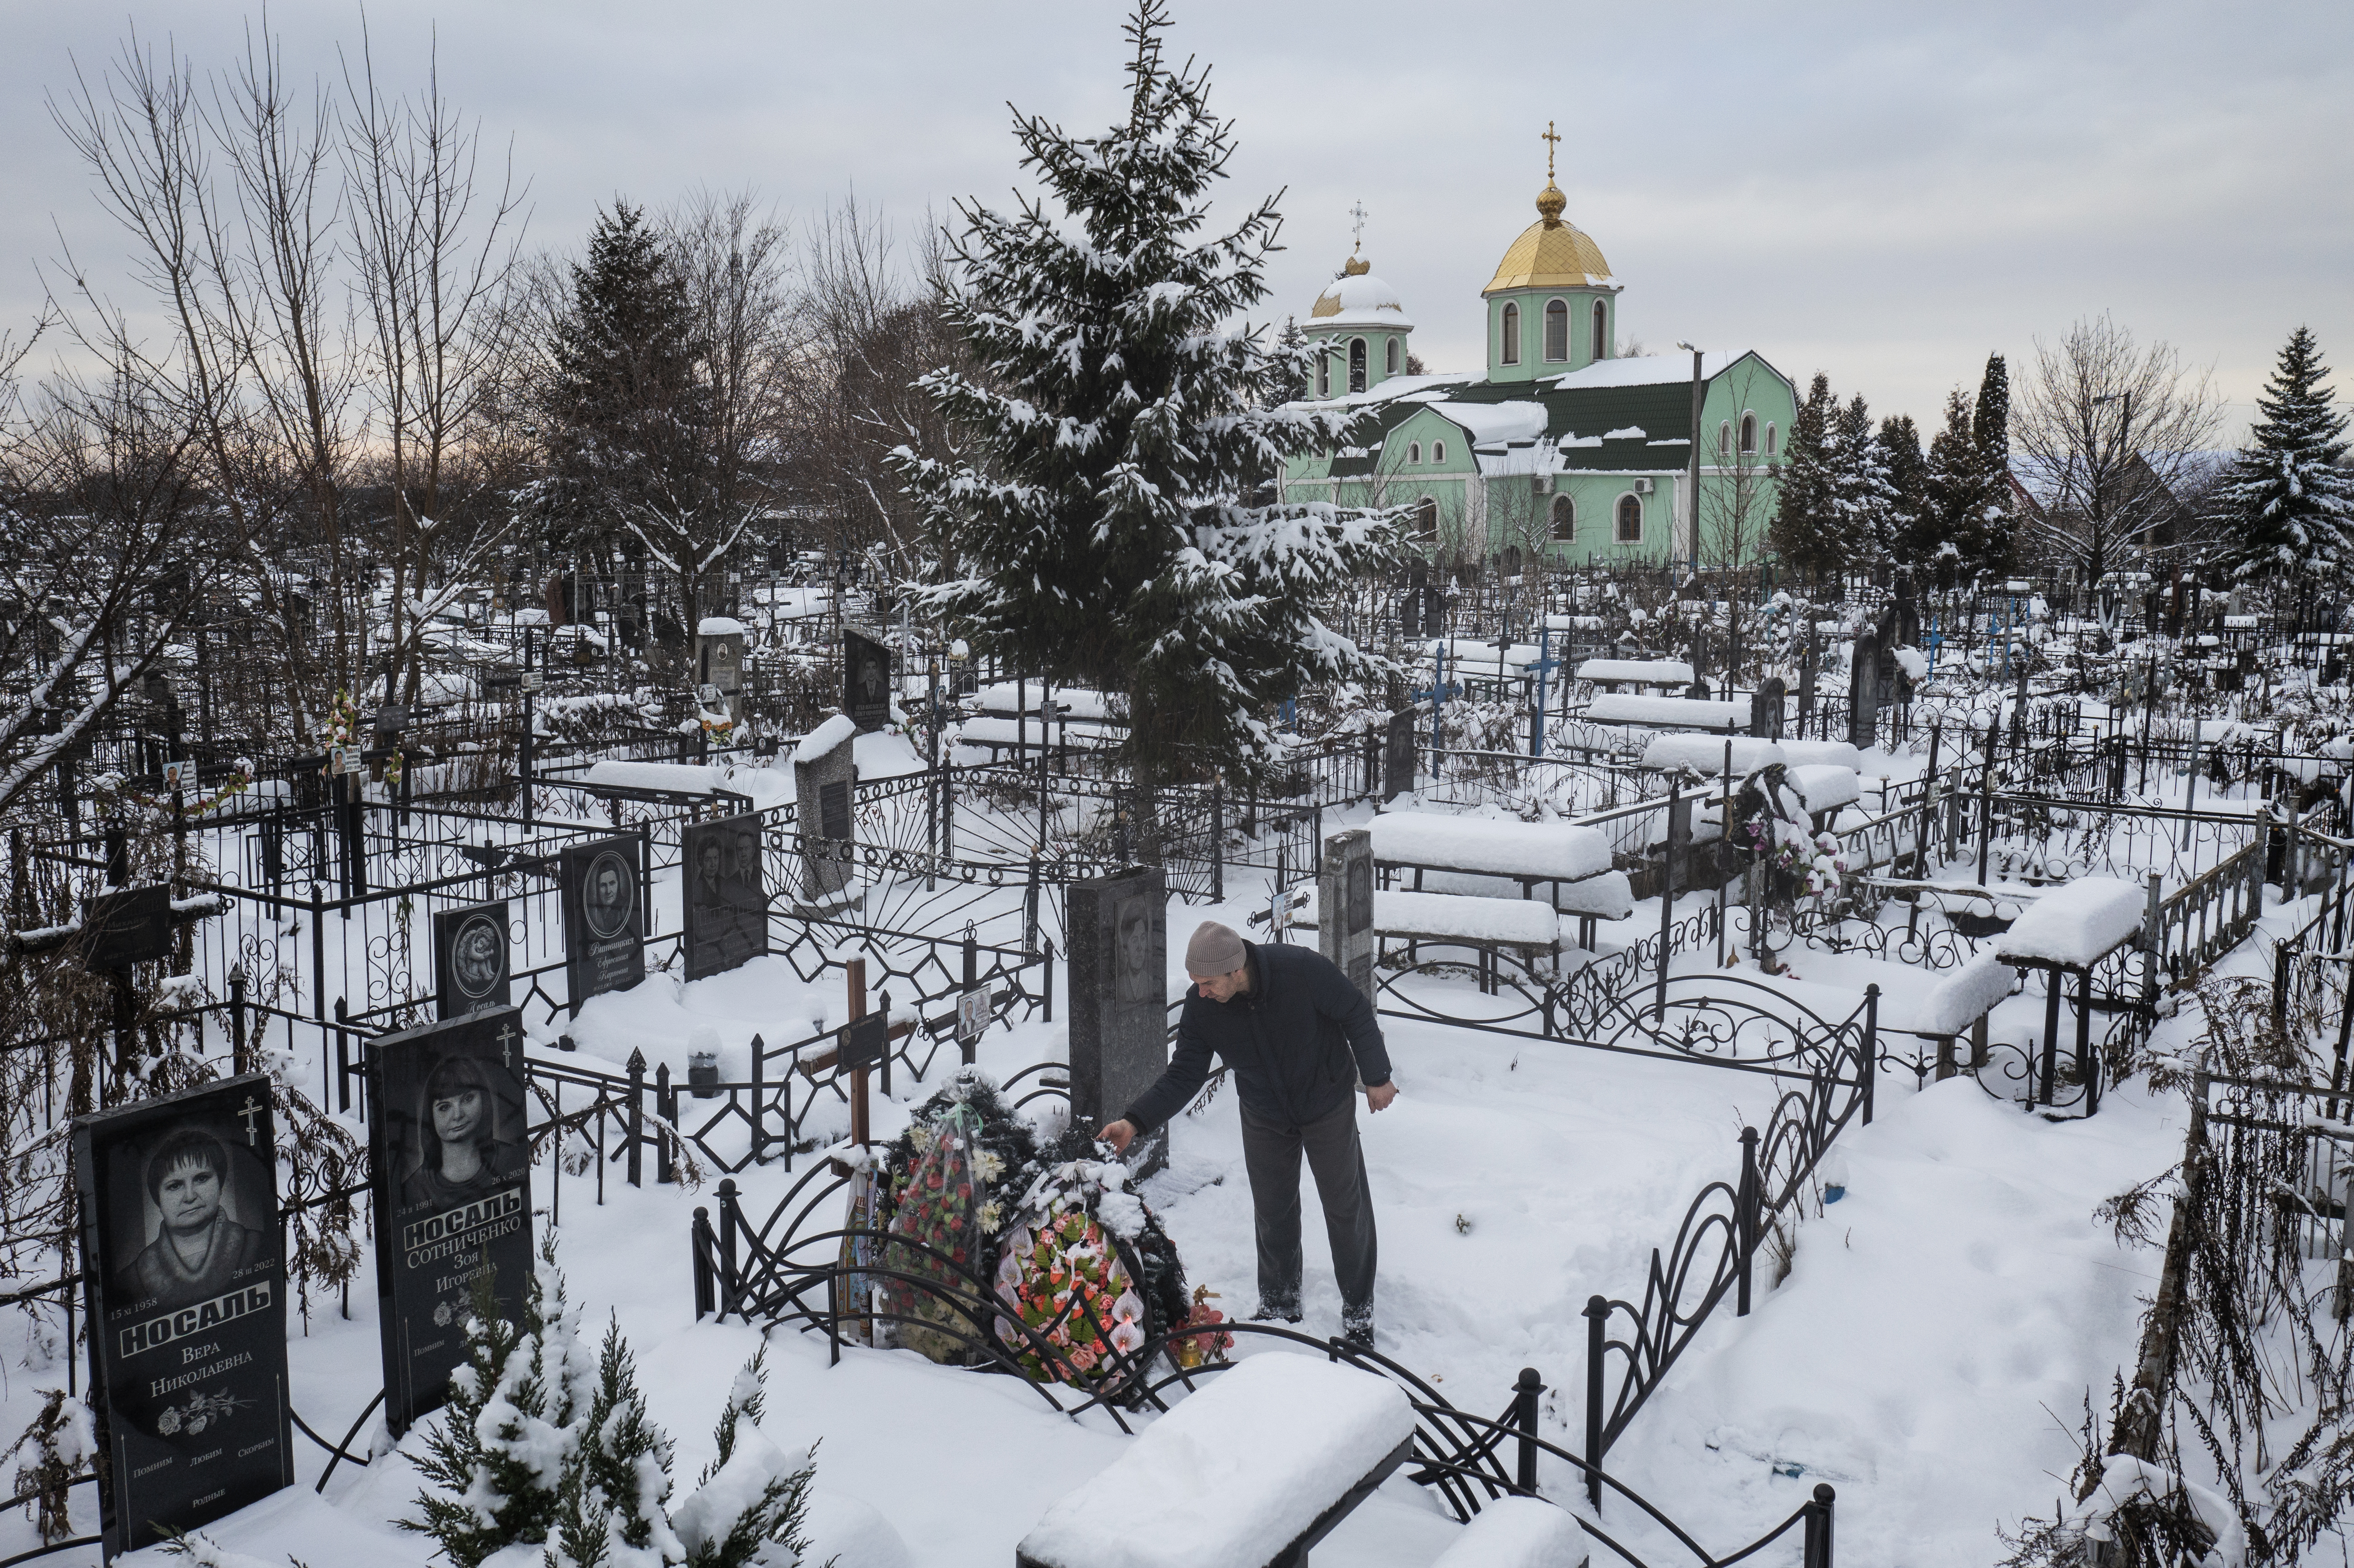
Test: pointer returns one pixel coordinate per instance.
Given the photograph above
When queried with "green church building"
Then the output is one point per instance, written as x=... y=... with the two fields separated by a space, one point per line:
x=1561 y=446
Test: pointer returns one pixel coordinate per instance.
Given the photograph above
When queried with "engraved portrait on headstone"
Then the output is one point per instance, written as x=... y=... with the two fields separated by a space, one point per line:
x=1119 y=1005
x=604 y=921
x=469 y=958
x=1133 y=977
x=184 y=1276
x=727 y=898
x=452 y=1163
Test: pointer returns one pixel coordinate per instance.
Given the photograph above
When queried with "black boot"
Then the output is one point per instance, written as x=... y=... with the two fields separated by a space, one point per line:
x=1357 y=1327
x=1277 y=1312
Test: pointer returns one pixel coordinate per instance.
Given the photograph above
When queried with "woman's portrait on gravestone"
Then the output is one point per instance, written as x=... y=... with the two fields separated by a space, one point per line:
x=199 y=1248
x=608 y=904
x=478 y=957
x=458 y=1155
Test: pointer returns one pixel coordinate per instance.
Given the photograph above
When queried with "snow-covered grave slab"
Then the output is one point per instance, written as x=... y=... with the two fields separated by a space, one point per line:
x=697 y=778
x=1826 y=787
x=1456 y=917
x=1266 y=1458
x=2077 y=926
x=1666 y=713
x=1635 y=673
x=1518 y=1532
x=1007 y=698
x=1704 y=754
x=1532 y=852
x=1609 y=896
x=1934 y=1005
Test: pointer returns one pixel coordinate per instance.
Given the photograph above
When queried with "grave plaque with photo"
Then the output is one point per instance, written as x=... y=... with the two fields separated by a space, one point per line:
x=184 y=1276
x=865 y=679
x=129 y=926
x=470 y=958
x=725 y=896
x=449 y=1149
x=604 y=918
x=1119 y=999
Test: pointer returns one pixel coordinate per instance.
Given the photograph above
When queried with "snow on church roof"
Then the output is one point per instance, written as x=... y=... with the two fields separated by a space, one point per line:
x=1357 y=298
x=1647 y=370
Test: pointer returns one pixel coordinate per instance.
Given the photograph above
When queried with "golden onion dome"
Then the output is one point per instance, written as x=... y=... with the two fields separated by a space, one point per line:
x=1550 y=254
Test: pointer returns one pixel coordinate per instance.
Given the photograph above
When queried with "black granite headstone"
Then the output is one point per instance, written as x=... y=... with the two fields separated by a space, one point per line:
x=470 y=958
x=185 y=1275
x=449 y=1149
x=1398 y=756
x=604 y=918
x=1119 y=1005
x=1863 y=693
x=1765 y=709
x=865 y=679
x=725 y=896
x=126 y=927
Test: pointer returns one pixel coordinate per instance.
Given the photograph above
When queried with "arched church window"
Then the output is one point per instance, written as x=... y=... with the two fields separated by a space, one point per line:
x=1601 y=332
x=1630 y=519
x=1414 y=451
x=1511 y=345
x=1748 y=433
x=1565 y=520
x=1772 y=441
x=1439 y=452
x=1556 y=329
x=1724 y=440
x=1390 y=358
x=1323 y=375
x=1426 y=521
x=1356 y=364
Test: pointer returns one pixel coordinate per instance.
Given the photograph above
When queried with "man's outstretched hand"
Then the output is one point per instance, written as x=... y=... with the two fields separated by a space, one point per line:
x=1379 y=1095
x=1118 y=1134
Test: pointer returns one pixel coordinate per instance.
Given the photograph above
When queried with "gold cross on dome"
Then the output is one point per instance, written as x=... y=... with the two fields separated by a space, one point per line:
x=1358 y=212
x=1550 y=139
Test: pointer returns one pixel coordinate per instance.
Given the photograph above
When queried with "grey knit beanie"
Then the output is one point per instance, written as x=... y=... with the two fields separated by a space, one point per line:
x=1215 y=949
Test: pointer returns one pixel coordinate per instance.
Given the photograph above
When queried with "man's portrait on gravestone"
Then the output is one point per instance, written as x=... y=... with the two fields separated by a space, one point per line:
x=611 y=888
x=1132 y=975
x=478 y=957
x=196 y=1244
x=456 y=1153
x=873 y=680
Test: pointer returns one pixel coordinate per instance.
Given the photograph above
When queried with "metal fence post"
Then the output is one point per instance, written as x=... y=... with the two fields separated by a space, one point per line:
x=1217 y=841
x=1817 y=1553
x=728 y=1287
x=698 y=1239
x=666 y=1107
x=1745 y=1236
x=637 y=1124
x=236 y=1018
x=1524 y=1417
x=760 y=1077
x=1597 y=1317
x=1870 y=1048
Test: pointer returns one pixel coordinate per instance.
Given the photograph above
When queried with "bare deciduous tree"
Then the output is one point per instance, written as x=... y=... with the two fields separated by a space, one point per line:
x=2109 y=433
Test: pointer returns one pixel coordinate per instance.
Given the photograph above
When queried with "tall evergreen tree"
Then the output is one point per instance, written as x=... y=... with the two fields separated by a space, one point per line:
x=2287 y=505
x=1861 y=495
x=622 y=403
x=1913 y=524
x=1099 y=515
x=1804 y=533
x=1994 y=526
x=1956 y=485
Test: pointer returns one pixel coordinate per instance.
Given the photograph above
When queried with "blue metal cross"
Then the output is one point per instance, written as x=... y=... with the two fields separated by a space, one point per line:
x=1440 y=690
x=1545 y=665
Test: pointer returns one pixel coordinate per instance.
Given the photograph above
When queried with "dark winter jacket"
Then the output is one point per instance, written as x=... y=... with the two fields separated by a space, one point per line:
x=1288 y=1040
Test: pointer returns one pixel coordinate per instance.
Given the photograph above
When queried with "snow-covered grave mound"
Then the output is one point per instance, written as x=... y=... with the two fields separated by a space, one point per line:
x=1504 y=848
x=1636 y=671
x=1666 y=713
x=1705 y=754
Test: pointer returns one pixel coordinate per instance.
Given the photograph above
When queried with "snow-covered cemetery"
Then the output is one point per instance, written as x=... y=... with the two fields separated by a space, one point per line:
x=692 y=903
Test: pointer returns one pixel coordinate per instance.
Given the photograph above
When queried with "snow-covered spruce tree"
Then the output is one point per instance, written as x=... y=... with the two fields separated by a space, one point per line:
x=1911 y=518
x=1861 y=495
x=1804 y=526
x=2286 y=505
x=510 y=1426
x=1954 y=484
x=1993 y=525
x=1106 y=519
x=750 y=1501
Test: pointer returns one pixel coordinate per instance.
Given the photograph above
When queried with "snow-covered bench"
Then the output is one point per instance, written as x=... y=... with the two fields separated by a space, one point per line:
x=1518 y=1532
x=2070 y=929
x=1249 y=1471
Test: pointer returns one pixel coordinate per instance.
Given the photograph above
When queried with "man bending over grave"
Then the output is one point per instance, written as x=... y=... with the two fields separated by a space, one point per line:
x=1297 y=1037
x=198 y=1251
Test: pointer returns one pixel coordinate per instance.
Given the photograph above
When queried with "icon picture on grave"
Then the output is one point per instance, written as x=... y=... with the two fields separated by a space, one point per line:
x=469 y=958
x=604 y=922
x=726 y=896
x=865 y=679
x=184 y=1275
x=449 y=1150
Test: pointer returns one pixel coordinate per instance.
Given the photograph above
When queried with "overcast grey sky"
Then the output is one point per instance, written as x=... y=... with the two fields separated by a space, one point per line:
x=1882 y=192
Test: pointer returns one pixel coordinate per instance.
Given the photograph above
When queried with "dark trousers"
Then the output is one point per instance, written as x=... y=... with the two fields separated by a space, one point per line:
x=1271 y=1154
